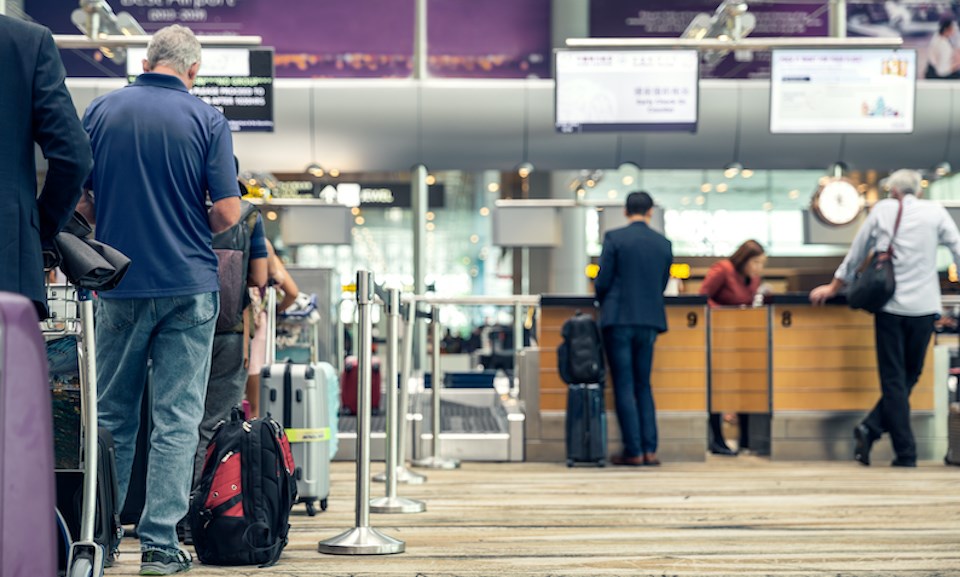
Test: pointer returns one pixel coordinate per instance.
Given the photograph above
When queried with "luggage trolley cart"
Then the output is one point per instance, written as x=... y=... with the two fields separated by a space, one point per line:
x=71 y=310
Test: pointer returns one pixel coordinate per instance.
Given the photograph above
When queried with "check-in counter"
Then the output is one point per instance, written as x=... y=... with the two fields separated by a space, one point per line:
x=825 y=380
x=679 y=379
x=740 y=361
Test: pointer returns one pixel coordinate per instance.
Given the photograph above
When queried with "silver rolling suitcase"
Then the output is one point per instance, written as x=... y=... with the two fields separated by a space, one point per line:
x=296 y=396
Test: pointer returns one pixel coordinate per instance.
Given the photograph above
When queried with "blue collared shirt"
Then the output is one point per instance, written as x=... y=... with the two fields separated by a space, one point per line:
x=158 y=151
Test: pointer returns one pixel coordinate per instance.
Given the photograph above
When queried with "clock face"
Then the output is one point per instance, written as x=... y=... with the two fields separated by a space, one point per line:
x=837 y=202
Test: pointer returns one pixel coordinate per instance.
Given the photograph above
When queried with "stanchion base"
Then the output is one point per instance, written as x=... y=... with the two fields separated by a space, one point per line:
x=404 y=475
x=361 y=541
x=396 y=505
x=436 y=463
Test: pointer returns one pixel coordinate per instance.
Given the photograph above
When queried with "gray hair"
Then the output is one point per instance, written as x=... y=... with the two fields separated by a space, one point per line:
x=174 y=46
x=905 y=181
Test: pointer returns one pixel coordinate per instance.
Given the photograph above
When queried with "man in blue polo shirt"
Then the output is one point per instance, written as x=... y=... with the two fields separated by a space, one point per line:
x=158 y=152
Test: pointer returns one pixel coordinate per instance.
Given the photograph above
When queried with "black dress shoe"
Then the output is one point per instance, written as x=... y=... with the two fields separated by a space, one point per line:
x=722 y=449
x=865 y=441
x=898 y=462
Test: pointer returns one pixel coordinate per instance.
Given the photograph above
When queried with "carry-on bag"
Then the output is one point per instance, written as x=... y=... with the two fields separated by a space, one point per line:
x=27 y=496
x=240 y=514
x=296 y=396
x=953 y=430
x=348 y=386
x=107 y=530
x=586 y=425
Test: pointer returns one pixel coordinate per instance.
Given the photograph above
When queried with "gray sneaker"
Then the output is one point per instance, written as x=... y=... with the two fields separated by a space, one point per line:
x=160 y=563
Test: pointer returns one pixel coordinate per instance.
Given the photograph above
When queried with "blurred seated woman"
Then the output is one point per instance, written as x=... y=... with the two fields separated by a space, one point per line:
x=730 y=282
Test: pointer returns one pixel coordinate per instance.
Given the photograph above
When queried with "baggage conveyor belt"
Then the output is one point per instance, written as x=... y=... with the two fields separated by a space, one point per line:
x=477 y=425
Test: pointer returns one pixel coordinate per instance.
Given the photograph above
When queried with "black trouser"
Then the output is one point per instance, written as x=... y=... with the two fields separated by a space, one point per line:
x=716 y=429
x=901 y=348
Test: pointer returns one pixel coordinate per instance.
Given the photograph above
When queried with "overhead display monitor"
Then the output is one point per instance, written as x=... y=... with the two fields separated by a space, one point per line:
x=236 y=81
x=626 y=90
x=869 y=91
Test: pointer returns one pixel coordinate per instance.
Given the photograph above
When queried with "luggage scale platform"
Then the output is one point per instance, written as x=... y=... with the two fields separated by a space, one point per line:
x=477 y=425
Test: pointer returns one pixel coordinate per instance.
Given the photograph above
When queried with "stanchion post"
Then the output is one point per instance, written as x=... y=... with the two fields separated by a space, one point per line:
x=391 y=503
x=271 y=344
x=363 y=539
x=435 y=461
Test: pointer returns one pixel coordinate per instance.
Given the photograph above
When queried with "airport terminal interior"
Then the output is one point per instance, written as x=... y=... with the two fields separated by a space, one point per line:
x=439 y=176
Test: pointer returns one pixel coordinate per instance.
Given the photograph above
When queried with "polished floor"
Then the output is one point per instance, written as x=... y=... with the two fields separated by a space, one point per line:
x=732 y=516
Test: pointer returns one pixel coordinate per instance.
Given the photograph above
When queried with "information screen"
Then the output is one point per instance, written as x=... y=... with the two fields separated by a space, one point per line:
x=235 y=81
x=843 y=91
x=620 y=90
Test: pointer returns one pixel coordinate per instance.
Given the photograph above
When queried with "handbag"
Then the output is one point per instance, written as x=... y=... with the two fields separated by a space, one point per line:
x=874 y=284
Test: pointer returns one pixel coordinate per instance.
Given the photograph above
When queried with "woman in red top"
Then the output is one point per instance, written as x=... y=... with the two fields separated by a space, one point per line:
x=730 y=282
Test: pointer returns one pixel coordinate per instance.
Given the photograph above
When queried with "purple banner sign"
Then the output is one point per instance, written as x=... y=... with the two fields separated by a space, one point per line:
x=669 y=18
x=343 y=38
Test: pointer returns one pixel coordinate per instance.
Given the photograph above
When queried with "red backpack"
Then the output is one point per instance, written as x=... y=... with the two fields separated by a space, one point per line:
x=240 y=513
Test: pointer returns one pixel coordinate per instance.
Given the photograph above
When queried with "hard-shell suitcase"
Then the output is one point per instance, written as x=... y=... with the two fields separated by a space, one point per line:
x=348 y=386
x=953 y=430
x=586 y=425
x=328 y=375
x=953 y=435
x=296 y=397
x=27 y=495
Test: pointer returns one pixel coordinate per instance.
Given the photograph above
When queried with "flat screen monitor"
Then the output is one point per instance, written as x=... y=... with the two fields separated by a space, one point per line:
x=236 y=81
x=626 y=90
x=844 y=91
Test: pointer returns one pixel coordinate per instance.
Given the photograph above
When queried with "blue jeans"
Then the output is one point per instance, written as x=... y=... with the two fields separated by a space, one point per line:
x=177 y=333
x=630 y=356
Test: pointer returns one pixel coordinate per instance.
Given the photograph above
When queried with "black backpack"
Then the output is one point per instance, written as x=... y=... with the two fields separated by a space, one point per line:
x=580 y=355
x=232 y=247
x=240 y=513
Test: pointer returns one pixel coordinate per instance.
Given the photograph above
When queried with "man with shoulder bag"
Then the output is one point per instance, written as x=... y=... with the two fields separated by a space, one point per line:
x=899 y=238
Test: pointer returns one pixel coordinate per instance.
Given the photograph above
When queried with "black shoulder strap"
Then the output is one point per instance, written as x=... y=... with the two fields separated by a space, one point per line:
x=896 y=227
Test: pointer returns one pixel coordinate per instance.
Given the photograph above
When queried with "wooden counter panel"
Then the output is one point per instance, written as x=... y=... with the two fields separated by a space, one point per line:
x=684 y=338
x=732 y=340
x=679 y=379
x=738 y=319
x=825 y=338
x=667 y=401
x=737 y=360
x=785 y=358
x=740 y=402
x=804 y=316
x=672 y=358
x=739 y=380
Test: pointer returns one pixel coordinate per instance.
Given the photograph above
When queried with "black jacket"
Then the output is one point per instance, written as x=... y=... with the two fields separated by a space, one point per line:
x=35 y=107
x=634 y=270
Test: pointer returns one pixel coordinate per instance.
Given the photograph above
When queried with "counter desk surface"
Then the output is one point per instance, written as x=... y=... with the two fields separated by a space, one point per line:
x=788 y=355
x=787 y=358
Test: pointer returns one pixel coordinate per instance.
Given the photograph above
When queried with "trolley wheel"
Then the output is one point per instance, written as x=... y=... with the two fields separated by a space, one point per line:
x=82 y=567
x=602 y=463
x=323 y=504
x=569 y=462
x=311 y=510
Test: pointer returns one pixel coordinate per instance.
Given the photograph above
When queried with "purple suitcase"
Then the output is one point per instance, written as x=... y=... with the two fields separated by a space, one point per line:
x=28 y=547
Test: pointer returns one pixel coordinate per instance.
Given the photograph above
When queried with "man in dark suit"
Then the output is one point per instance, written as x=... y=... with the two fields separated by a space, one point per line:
x=35 y=107
x=634 y=270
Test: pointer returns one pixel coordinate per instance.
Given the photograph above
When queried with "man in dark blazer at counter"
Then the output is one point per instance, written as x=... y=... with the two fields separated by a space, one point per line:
x=634 y=270
x=35 y=107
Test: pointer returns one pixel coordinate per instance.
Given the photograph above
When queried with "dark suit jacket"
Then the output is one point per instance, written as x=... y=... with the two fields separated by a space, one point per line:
x=35 y=107
x=634 y=270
